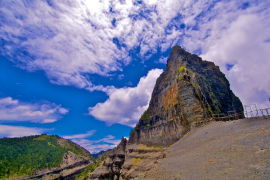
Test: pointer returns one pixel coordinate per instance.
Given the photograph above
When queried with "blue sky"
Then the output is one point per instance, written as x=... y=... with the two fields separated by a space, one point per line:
x=85 y=69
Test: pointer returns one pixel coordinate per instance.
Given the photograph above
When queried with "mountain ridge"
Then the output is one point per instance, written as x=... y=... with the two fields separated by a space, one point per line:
x=40 y=156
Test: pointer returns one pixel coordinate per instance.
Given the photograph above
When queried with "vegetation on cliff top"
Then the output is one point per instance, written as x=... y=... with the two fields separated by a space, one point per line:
x=27 y=155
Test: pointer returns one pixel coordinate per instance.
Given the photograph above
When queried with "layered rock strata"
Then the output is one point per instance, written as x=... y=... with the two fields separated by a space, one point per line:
x=188 y=93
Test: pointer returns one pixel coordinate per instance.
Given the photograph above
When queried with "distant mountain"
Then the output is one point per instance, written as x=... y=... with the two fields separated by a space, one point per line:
x=100 y=155
x=96 y=155
x=41 y=156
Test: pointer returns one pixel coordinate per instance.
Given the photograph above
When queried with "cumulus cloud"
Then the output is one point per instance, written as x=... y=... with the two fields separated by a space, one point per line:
x=70 y=40
x=244 y=45
x=12 y=110
x=94 y=146
x=125 y=105
x=19 y=131
x=63 y=38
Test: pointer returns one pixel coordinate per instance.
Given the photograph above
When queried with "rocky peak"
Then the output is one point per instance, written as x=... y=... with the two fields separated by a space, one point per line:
x=188 y=93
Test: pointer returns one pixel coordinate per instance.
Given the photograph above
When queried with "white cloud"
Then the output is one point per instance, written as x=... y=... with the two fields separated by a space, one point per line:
x=94 y=146
x=19 y=131
x=70 y=40
x=79 y=136
x=12 y=110
x=65 y=40
x=244 y=45
x=125 y=105
x=108 y=139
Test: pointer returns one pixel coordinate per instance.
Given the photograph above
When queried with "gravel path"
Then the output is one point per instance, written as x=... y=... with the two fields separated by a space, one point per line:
x=232 y=150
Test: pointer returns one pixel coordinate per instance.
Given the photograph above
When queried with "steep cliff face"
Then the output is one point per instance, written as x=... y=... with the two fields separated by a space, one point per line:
x=188 y=93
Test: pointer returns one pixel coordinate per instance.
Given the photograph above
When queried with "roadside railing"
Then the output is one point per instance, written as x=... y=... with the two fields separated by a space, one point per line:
x=232 y=115
x=258 y=113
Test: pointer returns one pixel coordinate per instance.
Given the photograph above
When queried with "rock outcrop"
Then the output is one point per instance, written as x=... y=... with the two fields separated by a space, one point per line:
x=140 y=159
x=126 y=161
x=70 y=158
x=111 y=167
x=188 y=93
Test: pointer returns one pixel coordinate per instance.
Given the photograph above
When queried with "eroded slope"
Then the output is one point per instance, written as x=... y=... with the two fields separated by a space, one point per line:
x=220 y=150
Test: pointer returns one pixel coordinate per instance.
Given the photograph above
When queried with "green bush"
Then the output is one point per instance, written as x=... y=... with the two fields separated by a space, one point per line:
x=181 y=68
x=84 y=175
x=145 y=116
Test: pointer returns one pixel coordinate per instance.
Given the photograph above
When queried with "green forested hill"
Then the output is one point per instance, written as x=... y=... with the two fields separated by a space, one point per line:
x=27 y=155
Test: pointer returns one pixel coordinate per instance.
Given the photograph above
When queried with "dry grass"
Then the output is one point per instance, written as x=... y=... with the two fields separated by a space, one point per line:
x=136 y=160
x=145 y=147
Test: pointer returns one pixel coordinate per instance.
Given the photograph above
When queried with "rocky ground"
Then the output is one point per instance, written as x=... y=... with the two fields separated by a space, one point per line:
x=229 y=150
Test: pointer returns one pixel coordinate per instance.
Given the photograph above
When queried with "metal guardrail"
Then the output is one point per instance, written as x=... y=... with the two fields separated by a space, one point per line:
x=258 y=113
x=232 y=115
